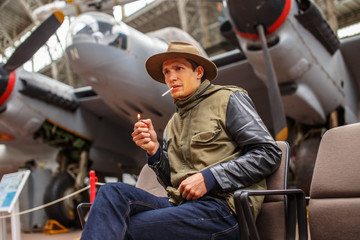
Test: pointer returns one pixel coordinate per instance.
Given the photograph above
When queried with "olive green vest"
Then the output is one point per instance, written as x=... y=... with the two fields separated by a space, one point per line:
x=199 y=139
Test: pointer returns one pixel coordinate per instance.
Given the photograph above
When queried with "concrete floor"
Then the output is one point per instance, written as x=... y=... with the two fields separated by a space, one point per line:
x=71 y=235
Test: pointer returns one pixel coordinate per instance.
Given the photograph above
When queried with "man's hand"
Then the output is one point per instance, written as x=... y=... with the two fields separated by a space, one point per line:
x=193 y=187
x=145 y=136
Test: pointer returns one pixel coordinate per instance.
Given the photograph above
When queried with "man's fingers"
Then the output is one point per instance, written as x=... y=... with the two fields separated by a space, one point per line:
x=140 y=124
x=140 y=129
x=186 y=191
x=145 y=136
x=142 y=141
x=148 y=123
x=139 y=135
x=193 y=187
x=191 y=195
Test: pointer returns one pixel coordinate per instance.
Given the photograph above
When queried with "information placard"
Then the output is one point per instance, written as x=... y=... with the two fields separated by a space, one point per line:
x=10 y=188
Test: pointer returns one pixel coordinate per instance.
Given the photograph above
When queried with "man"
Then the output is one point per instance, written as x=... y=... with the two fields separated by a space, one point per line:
x=214 y=144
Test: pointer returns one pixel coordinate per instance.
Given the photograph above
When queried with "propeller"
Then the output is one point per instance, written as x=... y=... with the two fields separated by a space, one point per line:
x=25 y=51
x=251 y=19
x=246 y=15
x=33 y=43
x=276 y=106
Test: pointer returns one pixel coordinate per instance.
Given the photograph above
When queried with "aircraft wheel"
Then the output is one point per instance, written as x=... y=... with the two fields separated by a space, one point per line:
x=65 y=211
x=305 y=162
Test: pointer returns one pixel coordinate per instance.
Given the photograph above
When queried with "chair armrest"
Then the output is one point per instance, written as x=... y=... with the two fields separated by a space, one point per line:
x=295 y=206
x=81 y=213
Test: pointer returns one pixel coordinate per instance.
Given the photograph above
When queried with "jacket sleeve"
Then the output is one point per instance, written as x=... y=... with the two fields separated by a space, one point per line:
x=159 y=163
x=260 y=153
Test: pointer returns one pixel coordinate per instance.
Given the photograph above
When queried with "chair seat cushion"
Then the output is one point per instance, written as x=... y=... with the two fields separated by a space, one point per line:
x=337 y=218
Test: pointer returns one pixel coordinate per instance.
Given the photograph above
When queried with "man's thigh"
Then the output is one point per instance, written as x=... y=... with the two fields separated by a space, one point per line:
x=207 y=218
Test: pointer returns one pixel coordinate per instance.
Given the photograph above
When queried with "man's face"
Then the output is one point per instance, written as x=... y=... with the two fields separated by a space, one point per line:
x=180 y=76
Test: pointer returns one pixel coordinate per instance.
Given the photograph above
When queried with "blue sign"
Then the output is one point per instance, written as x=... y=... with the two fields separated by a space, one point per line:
x=10 y=188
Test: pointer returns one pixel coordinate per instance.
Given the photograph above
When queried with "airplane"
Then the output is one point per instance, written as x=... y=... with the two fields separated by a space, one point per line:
x=90 y=127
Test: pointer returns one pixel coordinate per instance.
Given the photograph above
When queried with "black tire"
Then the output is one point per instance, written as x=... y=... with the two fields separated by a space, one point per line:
x=305 y=162
x=65 y=211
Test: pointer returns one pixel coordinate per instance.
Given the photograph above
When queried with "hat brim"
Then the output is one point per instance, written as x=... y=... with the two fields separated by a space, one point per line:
x=154 y=65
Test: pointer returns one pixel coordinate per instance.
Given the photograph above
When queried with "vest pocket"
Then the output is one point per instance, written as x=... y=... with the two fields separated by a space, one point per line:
x=205 y=137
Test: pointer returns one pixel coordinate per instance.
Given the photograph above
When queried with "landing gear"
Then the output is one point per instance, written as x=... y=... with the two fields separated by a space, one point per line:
x=63 y=212
x=73 y=166
x=70 y=179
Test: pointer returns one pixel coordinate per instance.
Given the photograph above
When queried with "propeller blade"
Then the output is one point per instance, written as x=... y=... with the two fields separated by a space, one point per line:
x=277 y=109
x=33 y=43
x=247 y=14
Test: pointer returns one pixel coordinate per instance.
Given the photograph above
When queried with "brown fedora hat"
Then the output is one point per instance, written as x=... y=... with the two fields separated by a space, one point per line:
x=179 y=50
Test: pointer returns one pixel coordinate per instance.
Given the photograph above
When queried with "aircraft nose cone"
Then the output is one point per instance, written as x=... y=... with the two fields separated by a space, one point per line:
x=247 y=15
x=7 y=82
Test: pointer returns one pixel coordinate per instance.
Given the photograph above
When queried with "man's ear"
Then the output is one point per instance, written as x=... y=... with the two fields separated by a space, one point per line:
x=199 y=70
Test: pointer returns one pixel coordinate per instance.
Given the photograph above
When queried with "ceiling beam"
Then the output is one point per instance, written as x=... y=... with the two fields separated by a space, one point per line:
x=6 y=40
x=28 y=10
x=4 y=4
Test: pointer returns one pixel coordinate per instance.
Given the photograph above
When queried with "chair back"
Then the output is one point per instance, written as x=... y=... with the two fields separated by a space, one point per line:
x=334 y=207
x=271 y=220
x=147 y=181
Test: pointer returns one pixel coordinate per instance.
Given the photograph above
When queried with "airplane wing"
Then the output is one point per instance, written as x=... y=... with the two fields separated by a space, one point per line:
x=112 y=150
x=16 y=150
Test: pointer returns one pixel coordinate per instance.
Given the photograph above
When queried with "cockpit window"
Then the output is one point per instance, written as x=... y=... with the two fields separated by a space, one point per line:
x=98 y=28
x=105 y=28
x=120 y=41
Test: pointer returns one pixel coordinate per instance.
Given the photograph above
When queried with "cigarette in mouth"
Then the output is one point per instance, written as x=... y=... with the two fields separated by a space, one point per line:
x=167 y=92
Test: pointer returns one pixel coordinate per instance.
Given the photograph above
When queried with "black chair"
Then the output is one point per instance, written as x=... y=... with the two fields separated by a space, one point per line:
x=277 y=218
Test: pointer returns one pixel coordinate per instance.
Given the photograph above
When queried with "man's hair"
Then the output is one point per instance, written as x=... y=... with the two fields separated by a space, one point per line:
x=194 y=65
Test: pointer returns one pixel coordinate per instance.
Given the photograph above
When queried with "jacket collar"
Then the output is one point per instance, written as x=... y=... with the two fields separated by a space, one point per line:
x=184 y=105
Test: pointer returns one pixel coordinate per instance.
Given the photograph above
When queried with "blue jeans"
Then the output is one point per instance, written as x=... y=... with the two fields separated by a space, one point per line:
x=121 y=211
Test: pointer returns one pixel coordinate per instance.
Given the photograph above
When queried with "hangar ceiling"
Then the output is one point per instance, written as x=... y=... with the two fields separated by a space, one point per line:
x=199 y=17
x=347 y=11
x=16 y=20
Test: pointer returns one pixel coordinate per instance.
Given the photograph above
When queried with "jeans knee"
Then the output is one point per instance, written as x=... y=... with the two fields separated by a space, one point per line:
x=106 y=188
x=111 y=189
